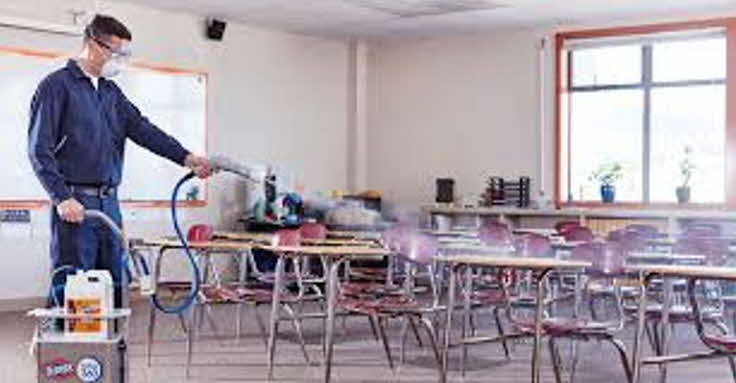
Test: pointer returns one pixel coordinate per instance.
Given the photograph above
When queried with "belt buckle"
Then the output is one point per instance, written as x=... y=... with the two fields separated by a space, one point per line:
x=103 y=192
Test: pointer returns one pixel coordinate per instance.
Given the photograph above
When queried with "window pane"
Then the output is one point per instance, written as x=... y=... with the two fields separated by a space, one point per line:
x=607 y=66
x=606 y=126
x=689 y=60
x=693 y=116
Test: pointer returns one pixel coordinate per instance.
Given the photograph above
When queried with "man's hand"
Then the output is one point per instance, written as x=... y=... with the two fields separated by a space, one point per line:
x=71 y=211
x=199 y=165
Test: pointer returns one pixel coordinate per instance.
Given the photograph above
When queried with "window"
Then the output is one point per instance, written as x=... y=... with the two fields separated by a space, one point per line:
x=647 y=103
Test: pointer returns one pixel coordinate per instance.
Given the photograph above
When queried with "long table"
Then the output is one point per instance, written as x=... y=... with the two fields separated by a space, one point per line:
x=692 y=272
x=332 y=255
x=542 y=265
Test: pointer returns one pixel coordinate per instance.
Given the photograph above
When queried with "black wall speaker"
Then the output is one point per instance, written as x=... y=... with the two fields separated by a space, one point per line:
x=215 y=29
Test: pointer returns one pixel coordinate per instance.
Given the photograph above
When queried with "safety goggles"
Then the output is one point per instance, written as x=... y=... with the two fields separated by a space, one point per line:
x=124 y=52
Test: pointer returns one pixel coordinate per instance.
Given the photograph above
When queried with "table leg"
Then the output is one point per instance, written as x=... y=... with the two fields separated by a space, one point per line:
x=467 y=324
x=275 y=304
x=536 y=357
x=333 y=268
x=636 y=353
x=448 y=323
x=665 y=326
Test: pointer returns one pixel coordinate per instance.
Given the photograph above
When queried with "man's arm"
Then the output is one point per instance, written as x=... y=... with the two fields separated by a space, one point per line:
x=43 y=137
x=147 y=135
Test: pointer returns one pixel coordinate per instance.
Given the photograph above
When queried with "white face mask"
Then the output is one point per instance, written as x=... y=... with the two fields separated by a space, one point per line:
x=113 y=67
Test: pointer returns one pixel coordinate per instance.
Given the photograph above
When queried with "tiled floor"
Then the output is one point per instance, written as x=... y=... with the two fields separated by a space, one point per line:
x=358 y=357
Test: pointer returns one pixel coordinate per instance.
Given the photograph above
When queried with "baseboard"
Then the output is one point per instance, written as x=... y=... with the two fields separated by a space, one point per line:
x=21 y=304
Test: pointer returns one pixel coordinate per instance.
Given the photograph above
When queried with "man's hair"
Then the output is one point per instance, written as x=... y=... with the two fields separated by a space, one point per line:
x=103 y=26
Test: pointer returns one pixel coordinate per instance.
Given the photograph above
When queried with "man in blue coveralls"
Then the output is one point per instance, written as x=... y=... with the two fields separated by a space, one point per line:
x=79 y=122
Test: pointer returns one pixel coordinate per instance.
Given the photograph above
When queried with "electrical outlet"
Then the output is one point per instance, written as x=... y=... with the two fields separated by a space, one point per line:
x=15 y=216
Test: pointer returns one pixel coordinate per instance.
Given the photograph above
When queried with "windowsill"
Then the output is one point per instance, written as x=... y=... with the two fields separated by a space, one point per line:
x=645 y=206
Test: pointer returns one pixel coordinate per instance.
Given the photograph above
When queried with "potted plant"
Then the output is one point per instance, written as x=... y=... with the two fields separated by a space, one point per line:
x=606 y=176
x=687 y=167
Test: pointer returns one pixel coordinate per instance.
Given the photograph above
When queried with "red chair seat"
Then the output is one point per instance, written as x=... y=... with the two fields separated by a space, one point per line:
x=720 y=342
x=565 y=326
x=219 y=294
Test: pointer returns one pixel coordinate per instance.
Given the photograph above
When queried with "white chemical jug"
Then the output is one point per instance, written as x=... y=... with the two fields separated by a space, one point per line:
x=88 y=292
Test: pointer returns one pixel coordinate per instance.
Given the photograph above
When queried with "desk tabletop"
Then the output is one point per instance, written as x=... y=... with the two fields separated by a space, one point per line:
x=214 y=245
x=328 y=250
x=245 y=236
x=503 y=260
x=655 y=256
x=692 y=271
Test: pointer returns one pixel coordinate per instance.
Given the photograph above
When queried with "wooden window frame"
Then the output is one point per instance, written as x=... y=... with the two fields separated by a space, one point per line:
x=562 y=107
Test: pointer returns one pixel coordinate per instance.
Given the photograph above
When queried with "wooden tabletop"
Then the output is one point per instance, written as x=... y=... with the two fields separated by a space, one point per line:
x=450 y=233
x=656 y=256
x=502 y=260
x=218 y=245
x=338 y=242
x=245 y=236
x=545 y=232
x=353 y=234
x=328 y=250
x=694 y=271
x=242 y=245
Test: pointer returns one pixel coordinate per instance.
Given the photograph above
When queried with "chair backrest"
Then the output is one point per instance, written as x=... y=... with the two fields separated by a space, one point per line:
x=633 y=241
x=715 y=250
x=286 y=237
x=616 y=235
x=396 y=236
x=532 y=245
x=703 y=230
x=648 y=231
x=564 y=226
x=200 y=233
x=420 y=248
x=313 y=230
x=495 y=234
x=578 y=233
x=607 y=258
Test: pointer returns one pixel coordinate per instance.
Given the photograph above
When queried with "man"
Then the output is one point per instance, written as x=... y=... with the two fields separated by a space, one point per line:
x=79 y=123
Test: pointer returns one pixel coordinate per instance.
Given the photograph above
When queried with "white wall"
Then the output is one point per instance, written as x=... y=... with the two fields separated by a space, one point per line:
x=272 y=97
x=465 y=107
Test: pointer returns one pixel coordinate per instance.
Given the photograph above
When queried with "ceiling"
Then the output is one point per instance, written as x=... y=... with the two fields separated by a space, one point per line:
x=388 y=18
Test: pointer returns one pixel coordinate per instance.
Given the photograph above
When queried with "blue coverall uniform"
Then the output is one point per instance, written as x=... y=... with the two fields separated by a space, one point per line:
x=76 y=141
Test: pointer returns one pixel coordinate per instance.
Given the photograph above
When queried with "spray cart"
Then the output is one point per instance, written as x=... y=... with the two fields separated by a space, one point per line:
x=83 y=340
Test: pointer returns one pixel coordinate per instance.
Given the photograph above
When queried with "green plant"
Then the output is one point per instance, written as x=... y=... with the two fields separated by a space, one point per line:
x=687 y=166
x=607 y=173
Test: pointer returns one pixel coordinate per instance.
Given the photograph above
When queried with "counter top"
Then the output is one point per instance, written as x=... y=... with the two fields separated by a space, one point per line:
x=584 y=212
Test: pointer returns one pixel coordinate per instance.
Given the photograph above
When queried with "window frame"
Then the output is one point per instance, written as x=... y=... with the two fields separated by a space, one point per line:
x=564 y=90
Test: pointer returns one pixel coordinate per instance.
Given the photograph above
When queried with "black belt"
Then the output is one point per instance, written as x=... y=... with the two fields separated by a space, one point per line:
x=93 y=191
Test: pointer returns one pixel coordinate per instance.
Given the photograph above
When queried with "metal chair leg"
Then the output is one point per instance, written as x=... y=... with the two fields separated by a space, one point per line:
x=182 y=323
x=373 y=328
x=415 y=331
x=433 y=341
x=403 y=334
x=261 y=325
x=384 y=339
x=191 y=336
x=554 y=354
x=732 y=365
x=621 y=348
x=151 y=328
x=499 y=328
x=575 y=359
x=298 y=329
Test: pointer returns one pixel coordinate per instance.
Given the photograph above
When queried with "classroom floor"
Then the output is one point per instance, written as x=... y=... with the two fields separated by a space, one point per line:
x=358 y=357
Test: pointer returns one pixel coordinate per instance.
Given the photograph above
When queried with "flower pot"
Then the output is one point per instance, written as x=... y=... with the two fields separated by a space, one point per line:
x=683 y=194
x=608 y=193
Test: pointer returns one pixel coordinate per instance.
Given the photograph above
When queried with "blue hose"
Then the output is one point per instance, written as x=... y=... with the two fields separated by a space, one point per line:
x=194 y=289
